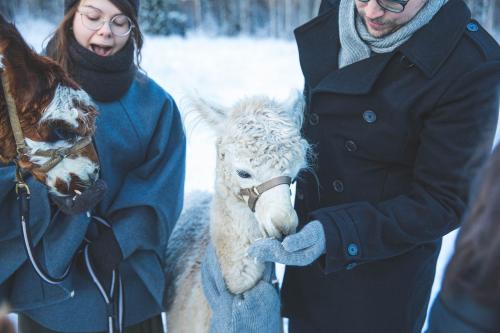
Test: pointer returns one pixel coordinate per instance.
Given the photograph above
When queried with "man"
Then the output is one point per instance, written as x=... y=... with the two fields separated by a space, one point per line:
x=402 y=105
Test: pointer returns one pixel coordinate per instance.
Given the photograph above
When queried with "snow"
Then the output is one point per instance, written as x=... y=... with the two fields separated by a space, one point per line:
x=223 y=69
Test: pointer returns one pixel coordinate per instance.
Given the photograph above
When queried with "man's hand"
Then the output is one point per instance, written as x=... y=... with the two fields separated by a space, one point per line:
x=299 y=249
x=83 y=202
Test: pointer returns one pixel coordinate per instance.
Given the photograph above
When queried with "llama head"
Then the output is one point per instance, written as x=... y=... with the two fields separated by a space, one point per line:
x=54 y=115
x=258 y=140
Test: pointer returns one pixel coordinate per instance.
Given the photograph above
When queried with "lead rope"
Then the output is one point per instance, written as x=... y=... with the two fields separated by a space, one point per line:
x=113 y=299
x=24 y=196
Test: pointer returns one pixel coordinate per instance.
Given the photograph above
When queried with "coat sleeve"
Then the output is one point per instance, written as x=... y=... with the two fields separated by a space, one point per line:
x=455 y=139
x=151 y=197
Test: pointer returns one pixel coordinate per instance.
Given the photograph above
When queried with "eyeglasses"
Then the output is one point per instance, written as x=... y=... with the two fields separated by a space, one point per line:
x=120 y=25
x=394 y=6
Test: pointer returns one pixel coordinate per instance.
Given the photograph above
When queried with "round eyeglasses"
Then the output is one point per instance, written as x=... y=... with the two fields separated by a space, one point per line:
x=393 y=6
x=120 y=25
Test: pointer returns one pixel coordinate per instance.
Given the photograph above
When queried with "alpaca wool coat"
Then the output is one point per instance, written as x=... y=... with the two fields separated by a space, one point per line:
x=141 y=145
x=398 y=139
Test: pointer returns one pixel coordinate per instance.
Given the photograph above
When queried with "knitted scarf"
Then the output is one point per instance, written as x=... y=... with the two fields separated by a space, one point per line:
x=357 y=44
x=106 y=79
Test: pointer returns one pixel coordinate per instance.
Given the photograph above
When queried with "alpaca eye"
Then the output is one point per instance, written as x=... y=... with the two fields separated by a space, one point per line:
x=243 y=174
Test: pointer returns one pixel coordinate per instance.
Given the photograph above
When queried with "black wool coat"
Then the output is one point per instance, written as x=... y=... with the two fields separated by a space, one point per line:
x=398 y=139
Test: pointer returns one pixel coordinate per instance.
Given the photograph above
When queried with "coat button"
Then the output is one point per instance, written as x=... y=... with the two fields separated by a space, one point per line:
x=338 y=186
x=351 y=266
x=352 y=249
x=472 y=27
x=350 y=146
x=313 y=119
x=369 y=116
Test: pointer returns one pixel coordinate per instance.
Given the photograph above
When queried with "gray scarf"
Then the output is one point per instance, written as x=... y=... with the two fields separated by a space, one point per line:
x=357 y=44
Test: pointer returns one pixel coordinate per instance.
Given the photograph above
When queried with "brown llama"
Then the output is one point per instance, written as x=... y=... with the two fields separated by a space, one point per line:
x=46 y=120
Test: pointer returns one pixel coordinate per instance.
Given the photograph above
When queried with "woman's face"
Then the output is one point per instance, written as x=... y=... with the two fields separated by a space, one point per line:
x=103 y=40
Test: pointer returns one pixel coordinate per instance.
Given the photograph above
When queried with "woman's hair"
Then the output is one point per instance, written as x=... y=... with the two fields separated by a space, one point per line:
x=474 y=268
x=58 y=46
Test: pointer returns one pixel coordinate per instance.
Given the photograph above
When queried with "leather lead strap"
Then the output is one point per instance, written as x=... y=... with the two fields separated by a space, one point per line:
x=13 y=117
x=55 y=155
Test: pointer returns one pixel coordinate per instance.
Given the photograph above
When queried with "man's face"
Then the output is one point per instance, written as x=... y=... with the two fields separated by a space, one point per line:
x=380 y=22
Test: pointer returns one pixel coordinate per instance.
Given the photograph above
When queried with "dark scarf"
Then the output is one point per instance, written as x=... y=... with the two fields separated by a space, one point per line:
x=106 y=79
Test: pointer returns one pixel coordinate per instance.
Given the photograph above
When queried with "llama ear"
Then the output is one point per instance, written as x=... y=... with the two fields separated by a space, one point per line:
x=212 y=114
x=295 y=105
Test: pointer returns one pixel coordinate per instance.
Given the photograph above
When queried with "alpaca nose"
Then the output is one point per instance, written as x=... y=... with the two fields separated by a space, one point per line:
x=285 y=222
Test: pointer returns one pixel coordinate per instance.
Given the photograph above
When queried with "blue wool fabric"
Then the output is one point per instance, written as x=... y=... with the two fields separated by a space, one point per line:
x=299 y=249
x=141 y=144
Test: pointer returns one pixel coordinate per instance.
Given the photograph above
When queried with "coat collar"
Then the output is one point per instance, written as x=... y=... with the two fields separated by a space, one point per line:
x=432 y=44
x=318 y=44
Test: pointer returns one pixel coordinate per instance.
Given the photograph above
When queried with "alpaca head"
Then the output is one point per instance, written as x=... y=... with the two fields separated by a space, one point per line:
x=259 y=139
x=54 y=115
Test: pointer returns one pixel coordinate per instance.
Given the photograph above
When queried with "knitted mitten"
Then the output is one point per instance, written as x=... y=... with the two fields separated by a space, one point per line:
x=299 y=249
x=255 y=310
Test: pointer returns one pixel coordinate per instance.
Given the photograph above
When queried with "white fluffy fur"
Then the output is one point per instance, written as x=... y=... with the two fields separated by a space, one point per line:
x=62 y=106
x=1 y=61
x=262 y=137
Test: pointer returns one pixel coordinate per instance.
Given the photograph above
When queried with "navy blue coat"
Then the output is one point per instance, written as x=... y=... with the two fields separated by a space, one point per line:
x=141 y=144
x=398 y=139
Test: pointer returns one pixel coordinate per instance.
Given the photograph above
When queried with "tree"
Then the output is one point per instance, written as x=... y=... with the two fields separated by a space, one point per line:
x=483 y=11
x=162 y=17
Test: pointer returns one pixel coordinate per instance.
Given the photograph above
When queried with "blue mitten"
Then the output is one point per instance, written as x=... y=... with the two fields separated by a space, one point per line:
x=256 y=310
x=299 y=249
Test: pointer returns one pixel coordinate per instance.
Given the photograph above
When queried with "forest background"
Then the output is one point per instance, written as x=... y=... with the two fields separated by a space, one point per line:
x=258 y=18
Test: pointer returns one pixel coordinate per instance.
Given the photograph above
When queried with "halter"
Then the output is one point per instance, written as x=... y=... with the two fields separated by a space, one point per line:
x=255 y=192
x=113 y=298
x=55 y=155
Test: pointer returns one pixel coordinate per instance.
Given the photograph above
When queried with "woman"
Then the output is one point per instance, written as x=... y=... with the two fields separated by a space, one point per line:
x=470 y=299
x=141 y=147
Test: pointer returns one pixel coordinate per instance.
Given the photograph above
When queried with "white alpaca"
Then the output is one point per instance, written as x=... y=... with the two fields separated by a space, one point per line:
x=258 y=140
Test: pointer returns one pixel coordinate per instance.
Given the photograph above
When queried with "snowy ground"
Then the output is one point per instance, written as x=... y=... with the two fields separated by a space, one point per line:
x=223 y=69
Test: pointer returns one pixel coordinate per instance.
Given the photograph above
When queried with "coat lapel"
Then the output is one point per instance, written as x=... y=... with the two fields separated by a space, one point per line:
x=357 y=78
x=431 y=45
x=318 y=43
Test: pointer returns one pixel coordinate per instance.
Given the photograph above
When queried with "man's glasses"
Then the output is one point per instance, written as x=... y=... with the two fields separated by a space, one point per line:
x=120 y=25
x=394 y=6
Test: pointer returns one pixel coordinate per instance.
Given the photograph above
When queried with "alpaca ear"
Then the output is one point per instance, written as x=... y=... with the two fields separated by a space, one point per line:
x=295 y=105
x=212 y=114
